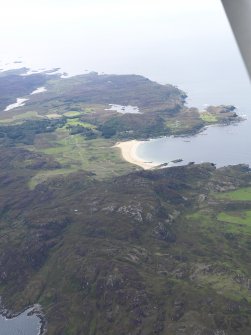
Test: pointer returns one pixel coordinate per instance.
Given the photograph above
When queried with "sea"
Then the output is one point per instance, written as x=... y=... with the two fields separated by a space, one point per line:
x=26 y=323
x=189 y=46
x=222 y=145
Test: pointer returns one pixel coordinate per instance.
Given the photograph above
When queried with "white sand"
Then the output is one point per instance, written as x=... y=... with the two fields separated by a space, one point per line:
x=128 y=151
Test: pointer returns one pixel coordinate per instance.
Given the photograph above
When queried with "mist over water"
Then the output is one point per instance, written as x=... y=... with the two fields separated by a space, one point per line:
x=186 y=44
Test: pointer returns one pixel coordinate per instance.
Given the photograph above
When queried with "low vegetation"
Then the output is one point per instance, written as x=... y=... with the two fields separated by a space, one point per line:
x=207 y=117
x=242 y=194
x=237 y=217
x=103 y=246
x=142 y=260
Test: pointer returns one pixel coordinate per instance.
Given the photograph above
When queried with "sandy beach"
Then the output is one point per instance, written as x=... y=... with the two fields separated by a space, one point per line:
x=128 y=151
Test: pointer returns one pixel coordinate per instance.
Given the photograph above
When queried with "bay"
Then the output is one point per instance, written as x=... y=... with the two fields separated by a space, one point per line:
x=222 y=145
x=26 y=323
x=189 y=45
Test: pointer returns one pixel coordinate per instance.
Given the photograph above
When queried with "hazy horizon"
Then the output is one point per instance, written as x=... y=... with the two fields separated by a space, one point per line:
x=189 y=44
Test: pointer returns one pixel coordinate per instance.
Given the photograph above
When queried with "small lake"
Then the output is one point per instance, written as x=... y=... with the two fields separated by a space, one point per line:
x=20 y=102
x=124 y=109
x=25 y=323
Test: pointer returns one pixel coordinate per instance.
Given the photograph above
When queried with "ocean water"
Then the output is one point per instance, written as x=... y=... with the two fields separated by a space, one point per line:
x=185 y=43
x=23 y=324
x=222 y=145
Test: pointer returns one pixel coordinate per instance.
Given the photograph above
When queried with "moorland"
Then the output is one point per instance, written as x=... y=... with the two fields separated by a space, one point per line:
x=102 y=245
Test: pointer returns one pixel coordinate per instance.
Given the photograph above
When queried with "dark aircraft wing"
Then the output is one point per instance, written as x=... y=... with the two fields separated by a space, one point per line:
x=239 y=15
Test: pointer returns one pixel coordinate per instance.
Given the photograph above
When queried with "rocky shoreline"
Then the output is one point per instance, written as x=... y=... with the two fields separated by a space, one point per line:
x=32 y=310
x=225 y=115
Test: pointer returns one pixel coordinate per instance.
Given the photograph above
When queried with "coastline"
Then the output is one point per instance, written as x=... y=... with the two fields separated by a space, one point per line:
x=128 y=151
x=35 y=309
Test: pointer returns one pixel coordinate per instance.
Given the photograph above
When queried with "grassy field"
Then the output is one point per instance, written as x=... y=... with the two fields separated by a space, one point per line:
x=43 y=175
x=237 y=217
x=75 y=153
x=220 y=232
x=21 y=117
x=77 y=122
x=207 y=117
x=53 y=116
x=172 y=124
x=187 y=121
x=72 y=114
x=242 y=194
x=236 y=222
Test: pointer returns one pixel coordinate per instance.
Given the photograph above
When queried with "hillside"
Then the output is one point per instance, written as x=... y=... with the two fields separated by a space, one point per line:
x=156 y=258
x=103 y=246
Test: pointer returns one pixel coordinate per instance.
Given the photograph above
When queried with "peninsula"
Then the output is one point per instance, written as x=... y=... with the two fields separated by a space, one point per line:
x=102 y=242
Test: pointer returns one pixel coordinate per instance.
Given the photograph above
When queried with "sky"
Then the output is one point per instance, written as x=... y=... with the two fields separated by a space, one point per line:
x=104 y=29
x=182 y=42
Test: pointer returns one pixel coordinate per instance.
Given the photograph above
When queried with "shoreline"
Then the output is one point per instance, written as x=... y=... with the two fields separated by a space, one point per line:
x=35 y=309
x=128 y=152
